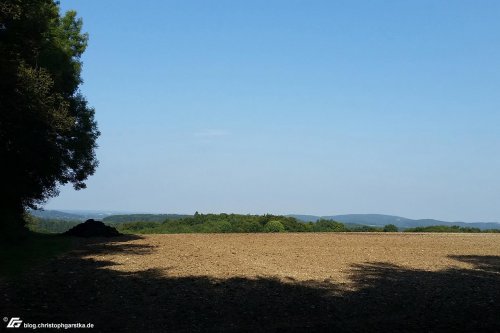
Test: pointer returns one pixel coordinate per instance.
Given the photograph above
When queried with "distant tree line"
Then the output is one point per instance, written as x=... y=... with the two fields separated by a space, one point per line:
x=142 y=218
x=235 y=223
x=217 y=223
x=453 y=228
x=49 y=226
x=232 y=223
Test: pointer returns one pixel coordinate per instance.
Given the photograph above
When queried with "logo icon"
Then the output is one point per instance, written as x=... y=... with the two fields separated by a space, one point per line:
x=14 y=322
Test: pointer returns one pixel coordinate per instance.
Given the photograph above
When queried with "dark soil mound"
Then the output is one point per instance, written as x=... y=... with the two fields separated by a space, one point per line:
x=91 y=228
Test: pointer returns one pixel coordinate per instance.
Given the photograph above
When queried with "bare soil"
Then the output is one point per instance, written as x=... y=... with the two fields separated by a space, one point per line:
x=268 y=282
x=300 y=256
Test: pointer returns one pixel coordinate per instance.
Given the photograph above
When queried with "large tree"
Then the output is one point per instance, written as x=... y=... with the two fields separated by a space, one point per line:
x=47 y=130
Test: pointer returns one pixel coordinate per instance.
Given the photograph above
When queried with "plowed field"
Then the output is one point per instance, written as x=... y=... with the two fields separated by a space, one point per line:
x=269 y=282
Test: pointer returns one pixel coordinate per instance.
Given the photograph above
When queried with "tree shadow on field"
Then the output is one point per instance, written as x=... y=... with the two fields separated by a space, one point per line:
x=485 y=263
x=385 y=297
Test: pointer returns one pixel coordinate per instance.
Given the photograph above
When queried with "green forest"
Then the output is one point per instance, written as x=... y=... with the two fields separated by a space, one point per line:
x=229 y=223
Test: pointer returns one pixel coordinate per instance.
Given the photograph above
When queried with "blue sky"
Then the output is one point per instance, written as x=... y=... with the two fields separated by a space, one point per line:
x=316 y=107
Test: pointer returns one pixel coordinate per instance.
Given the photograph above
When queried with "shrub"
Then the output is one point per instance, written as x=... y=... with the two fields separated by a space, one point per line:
x=328 y=226
x=224 y=226
x=274 y=226
x=390 y=228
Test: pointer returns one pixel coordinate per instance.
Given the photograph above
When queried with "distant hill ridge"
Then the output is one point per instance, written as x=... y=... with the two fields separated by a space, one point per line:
x=401 y=222
x=349 y=219
x=142 y=218
x=56 y=215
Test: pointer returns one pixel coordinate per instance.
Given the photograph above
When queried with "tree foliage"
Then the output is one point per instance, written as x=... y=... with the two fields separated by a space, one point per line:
x=47 y=130
x=50 y=225
x=328 y=225
x=274 y=226
x=443 y=228
x=222 y=223
x=216 y=223
x=390 y=228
